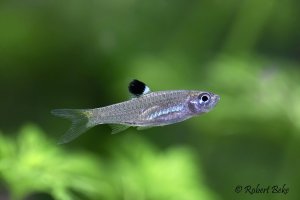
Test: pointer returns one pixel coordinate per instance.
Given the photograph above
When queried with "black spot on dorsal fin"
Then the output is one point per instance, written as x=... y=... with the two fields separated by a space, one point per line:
x=138 y=88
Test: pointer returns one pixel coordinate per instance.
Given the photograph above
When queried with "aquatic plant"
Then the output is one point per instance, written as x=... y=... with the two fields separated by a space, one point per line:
x=32 y=163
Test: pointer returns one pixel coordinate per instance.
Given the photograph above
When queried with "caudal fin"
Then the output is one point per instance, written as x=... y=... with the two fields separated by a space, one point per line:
x=80 y=123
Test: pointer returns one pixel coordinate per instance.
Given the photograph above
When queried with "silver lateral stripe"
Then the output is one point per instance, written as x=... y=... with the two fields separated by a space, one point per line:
x=165 y=111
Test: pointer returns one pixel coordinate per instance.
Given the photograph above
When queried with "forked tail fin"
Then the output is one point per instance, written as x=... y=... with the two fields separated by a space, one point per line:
x=80 y=122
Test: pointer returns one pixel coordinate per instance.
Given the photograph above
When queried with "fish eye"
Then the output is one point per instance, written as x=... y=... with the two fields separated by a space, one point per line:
x=204 y=98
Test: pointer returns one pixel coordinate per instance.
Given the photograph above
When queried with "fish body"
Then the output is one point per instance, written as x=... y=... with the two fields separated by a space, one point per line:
x=146 y=109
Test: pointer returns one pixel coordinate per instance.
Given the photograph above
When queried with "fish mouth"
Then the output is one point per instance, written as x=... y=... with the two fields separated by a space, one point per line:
x=216 y=98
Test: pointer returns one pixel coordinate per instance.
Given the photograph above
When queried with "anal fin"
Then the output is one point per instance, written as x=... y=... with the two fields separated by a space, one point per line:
x=117 y=128
x=140 y=128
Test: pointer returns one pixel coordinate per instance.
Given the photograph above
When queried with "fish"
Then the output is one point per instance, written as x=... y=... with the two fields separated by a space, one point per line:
x=144 y=110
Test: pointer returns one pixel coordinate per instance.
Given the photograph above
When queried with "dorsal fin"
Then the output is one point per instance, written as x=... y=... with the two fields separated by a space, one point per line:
x=138 y=88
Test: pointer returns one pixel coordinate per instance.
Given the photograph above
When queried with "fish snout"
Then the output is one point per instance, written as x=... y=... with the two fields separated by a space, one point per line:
x=215 y=99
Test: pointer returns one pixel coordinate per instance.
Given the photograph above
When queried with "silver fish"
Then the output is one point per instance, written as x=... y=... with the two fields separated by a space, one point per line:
x=146 y=109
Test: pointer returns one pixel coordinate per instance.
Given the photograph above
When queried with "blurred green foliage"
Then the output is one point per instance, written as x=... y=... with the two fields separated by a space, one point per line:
x=32 y=164
x=82 y=54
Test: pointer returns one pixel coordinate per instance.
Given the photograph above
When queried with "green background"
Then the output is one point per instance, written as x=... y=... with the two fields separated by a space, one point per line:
x=83 y=54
